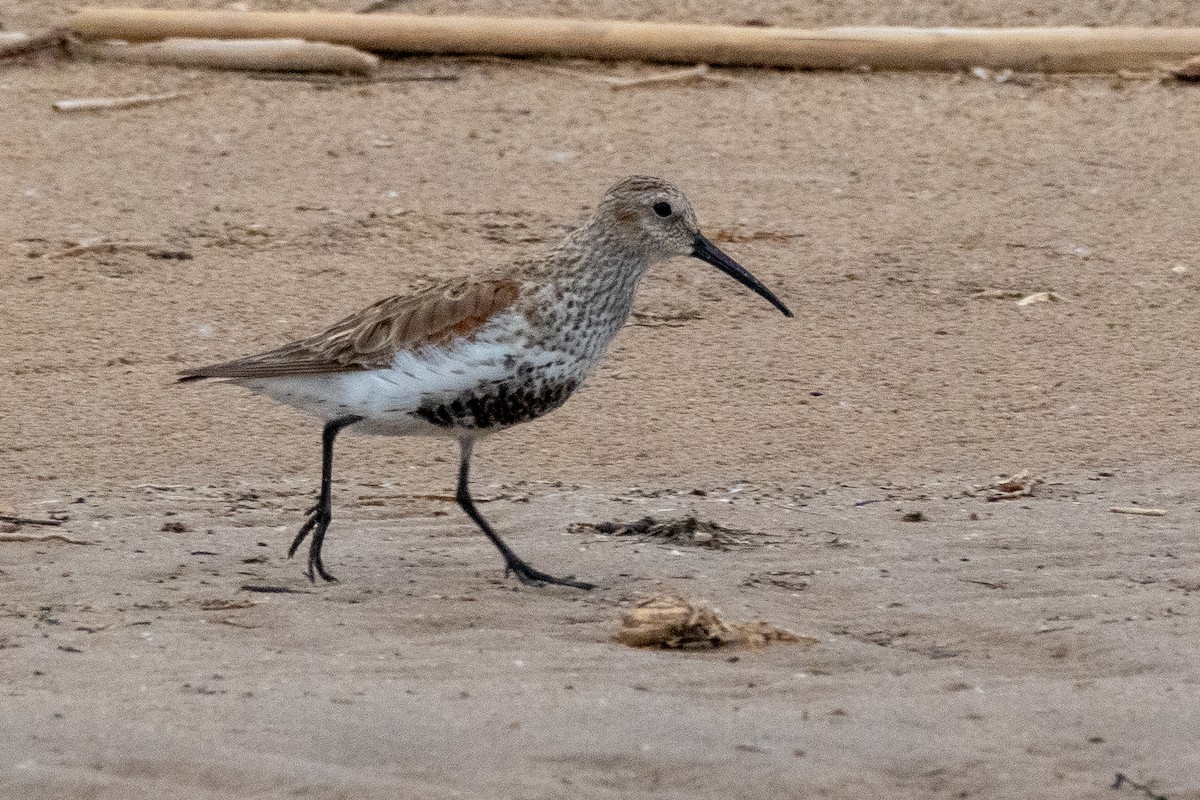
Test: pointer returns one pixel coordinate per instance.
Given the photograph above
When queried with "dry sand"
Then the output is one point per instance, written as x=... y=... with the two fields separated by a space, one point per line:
x=1025 y=648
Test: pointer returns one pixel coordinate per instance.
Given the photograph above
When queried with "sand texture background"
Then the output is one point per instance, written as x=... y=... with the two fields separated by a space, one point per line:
x=1024 y=648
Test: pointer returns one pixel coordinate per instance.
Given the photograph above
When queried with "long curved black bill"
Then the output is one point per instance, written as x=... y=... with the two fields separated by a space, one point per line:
x=707 y=251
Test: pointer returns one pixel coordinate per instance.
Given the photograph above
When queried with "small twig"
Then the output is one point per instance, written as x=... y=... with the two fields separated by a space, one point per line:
x=550 y=69
x=700 y=72
x=1141 y=512
x=108 y=103
x=53 y=38
x=26 y=521
x=49 y=537
x=253 y=587
x=317 y=78
x=988 y=584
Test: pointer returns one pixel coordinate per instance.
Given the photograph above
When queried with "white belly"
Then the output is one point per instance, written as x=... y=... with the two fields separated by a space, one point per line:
x=387 y=399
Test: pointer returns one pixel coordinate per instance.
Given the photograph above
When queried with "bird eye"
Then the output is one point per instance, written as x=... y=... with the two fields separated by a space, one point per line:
x=662 y=209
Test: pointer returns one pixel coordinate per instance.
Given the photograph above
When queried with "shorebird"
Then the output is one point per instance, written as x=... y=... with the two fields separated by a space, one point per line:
x=472 y=357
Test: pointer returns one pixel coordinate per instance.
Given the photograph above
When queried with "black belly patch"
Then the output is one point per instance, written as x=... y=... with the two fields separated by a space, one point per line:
x=498 y=406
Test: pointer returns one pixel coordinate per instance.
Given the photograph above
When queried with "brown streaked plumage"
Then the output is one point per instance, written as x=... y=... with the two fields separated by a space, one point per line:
x=476 y=356
x=371 y=338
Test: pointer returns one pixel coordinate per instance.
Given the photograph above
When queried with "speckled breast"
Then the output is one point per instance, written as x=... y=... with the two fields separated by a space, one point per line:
x=498 y=406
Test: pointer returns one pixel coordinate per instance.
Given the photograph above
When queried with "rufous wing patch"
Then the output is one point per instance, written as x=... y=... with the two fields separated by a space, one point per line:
x=371 y=338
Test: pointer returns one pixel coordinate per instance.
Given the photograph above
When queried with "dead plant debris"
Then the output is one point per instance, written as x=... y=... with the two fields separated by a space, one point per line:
x=1011 y=487
x=1122 y=780
x=674 y=622
x=683 y=530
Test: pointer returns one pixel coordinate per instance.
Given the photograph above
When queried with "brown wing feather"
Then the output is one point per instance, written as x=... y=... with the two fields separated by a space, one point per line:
x=371 y=338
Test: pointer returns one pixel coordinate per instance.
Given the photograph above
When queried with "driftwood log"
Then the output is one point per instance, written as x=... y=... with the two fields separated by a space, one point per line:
x=1075 y=49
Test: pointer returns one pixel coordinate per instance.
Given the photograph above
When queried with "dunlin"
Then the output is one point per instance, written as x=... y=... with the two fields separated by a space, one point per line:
x=476 y=356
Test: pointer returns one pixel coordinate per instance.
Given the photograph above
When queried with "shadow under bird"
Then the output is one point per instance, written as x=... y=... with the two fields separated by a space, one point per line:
x=475 y=356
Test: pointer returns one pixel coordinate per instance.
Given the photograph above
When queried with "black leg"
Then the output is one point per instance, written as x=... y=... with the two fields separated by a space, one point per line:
x=320 y=515
x=512 y=562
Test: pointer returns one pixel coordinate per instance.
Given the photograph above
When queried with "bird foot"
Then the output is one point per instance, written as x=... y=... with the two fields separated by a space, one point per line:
x=534 y=577
x=319 y=517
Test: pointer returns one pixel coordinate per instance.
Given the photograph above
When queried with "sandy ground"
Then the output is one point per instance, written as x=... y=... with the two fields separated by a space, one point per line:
x=1024 y=648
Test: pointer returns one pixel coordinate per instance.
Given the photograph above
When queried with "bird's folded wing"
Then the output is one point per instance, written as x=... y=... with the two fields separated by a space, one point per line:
x=371 y=338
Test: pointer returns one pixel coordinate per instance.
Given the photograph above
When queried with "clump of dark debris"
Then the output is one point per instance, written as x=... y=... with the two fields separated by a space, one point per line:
x=683 y=530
